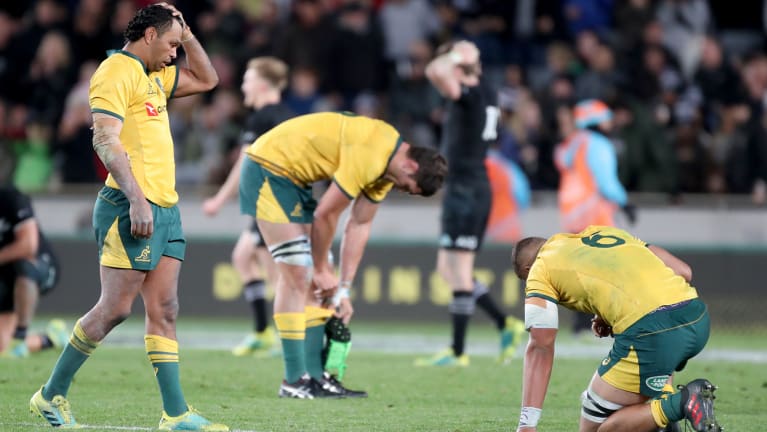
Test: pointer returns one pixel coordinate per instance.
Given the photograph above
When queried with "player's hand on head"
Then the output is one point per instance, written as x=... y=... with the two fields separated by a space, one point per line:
x=468 y=51
x=176 y=13
x=141 y=219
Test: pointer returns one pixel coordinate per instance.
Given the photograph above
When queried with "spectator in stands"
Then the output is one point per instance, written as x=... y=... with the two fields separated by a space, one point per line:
x=595 y=15
x=646 y=158
x=404 y=22
x=89 y=33
x=356 y=63
x=305 y=40
x=684 y=24
x=77 y=163
x=415 y=107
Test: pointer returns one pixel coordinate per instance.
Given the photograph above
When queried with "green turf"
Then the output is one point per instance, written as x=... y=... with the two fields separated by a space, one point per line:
x=116 y=388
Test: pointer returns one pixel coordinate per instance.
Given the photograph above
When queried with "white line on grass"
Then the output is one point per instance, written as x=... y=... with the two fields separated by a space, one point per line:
x=104 y=427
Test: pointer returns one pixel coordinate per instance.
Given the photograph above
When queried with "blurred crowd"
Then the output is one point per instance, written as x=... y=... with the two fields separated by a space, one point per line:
x=686 y=80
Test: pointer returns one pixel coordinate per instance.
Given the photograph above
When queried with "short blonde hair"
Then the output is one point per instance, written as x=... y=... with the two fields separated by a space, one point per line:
x=272 y=69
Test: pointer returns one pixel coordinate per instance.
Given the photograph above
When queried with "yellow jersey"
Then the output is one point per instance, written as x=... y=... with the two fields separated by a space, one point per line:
x=123 y=88
x=605 y=271
x=352 y=150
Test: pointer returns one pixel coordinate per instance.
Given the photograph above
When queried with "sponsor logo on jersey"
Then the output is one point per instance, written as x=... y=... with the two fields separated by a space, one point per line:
x=656 y=382
x=297 y=211
x=151 y=111
x=144 y=256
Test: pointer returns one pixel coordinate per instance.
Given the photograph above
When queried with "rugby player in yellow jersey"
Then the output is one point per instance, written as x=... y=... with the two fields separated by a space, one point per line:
x=136 y=220
x=365 y=159
x=640 y=294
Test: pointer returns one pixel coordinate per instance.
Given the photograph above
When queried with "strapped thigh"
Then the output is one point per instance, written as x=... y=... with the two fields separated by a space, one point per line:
x=294 y=252
x=596 y=409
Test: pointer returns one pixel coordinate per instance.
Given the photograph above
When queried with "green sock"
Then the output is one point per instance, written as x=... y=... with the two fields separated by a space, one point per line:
x=163 y=353
x=671 y=405
x=315 y=336
x=68 y=364
x=294 y=357
x=74 y=355
x=292 y=329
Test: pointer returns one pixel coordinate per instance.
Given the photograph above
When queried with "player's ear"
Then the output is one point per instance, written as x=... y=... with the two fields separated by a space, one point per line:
x=410 y=166
x=149 y=34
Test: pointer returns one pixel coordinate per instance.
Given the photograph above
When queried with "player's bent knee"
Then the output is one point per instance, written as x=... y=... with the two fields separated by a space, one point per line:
x=595 y=408
x=296 y=252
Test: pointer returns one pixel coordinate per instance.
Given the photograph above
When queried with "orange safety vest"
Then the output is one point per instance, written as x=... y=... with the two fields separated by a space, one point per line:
x=580 y=203
x=503 y=223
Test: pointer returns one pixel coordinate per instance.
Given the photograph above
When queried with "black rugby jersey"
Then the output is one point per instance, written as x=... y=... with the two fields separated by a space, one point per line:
x=261 y=121
x=470 y=127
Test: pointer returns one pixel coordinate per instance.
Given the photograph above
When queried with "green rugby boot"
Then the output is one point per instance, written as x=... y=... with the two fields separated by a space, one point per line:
x=260 y=344
x=512 y=336
x=445 y=357
x=56 y=411
x=57 y=332
x=189 y=421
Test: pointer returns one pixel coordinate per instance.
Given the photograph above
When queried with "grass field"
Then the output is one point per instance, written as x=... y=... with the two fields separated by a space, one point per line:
x=115 y=390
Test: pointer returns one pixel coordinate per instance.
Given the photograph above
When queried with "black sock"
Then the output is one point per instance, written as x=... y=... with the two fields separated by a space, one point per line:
x=20 y=333
x=461 y=312
x=255 y=294
x=487 y=304
x=259 y=314
x=45 y=342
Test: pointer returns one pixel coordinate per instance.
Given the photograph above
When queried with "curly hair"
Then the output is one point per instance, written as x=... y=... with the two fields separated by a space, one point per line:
x=155 y=16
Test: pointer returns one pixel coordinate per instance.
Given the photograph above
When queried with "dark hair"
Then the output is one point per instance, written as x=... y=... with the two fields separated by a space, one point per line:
x=155 y=16
x=522 y=253
x=432 y=169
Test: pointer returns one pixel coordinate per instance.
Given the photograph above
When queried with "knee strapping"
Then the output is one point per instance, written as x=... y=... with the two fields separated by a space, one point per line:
x=462 y=305
x=294 y=252
x=596 y=409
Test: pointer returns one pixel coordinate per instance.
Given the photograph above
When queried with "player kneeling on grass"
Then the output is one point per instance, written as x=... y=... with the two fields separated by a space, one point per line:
x=642 y=297
x=28 y=270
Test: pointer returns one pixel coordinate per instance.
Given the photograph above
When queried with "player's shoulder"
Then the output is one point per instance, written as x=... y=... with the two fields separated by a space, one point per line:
x=117 y=66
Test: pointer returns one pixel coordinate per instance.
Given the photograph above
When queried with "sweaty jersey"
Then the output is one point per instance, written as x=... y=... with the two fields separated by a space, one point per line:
x=605 y=271
x=123 y=88
x=469 y=129
x=262 y=120
x=352 y=150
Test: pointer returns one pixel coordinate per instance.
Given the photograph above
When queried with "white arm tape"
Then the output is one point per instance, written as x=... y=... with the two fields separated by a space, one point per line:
x=541 y=317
